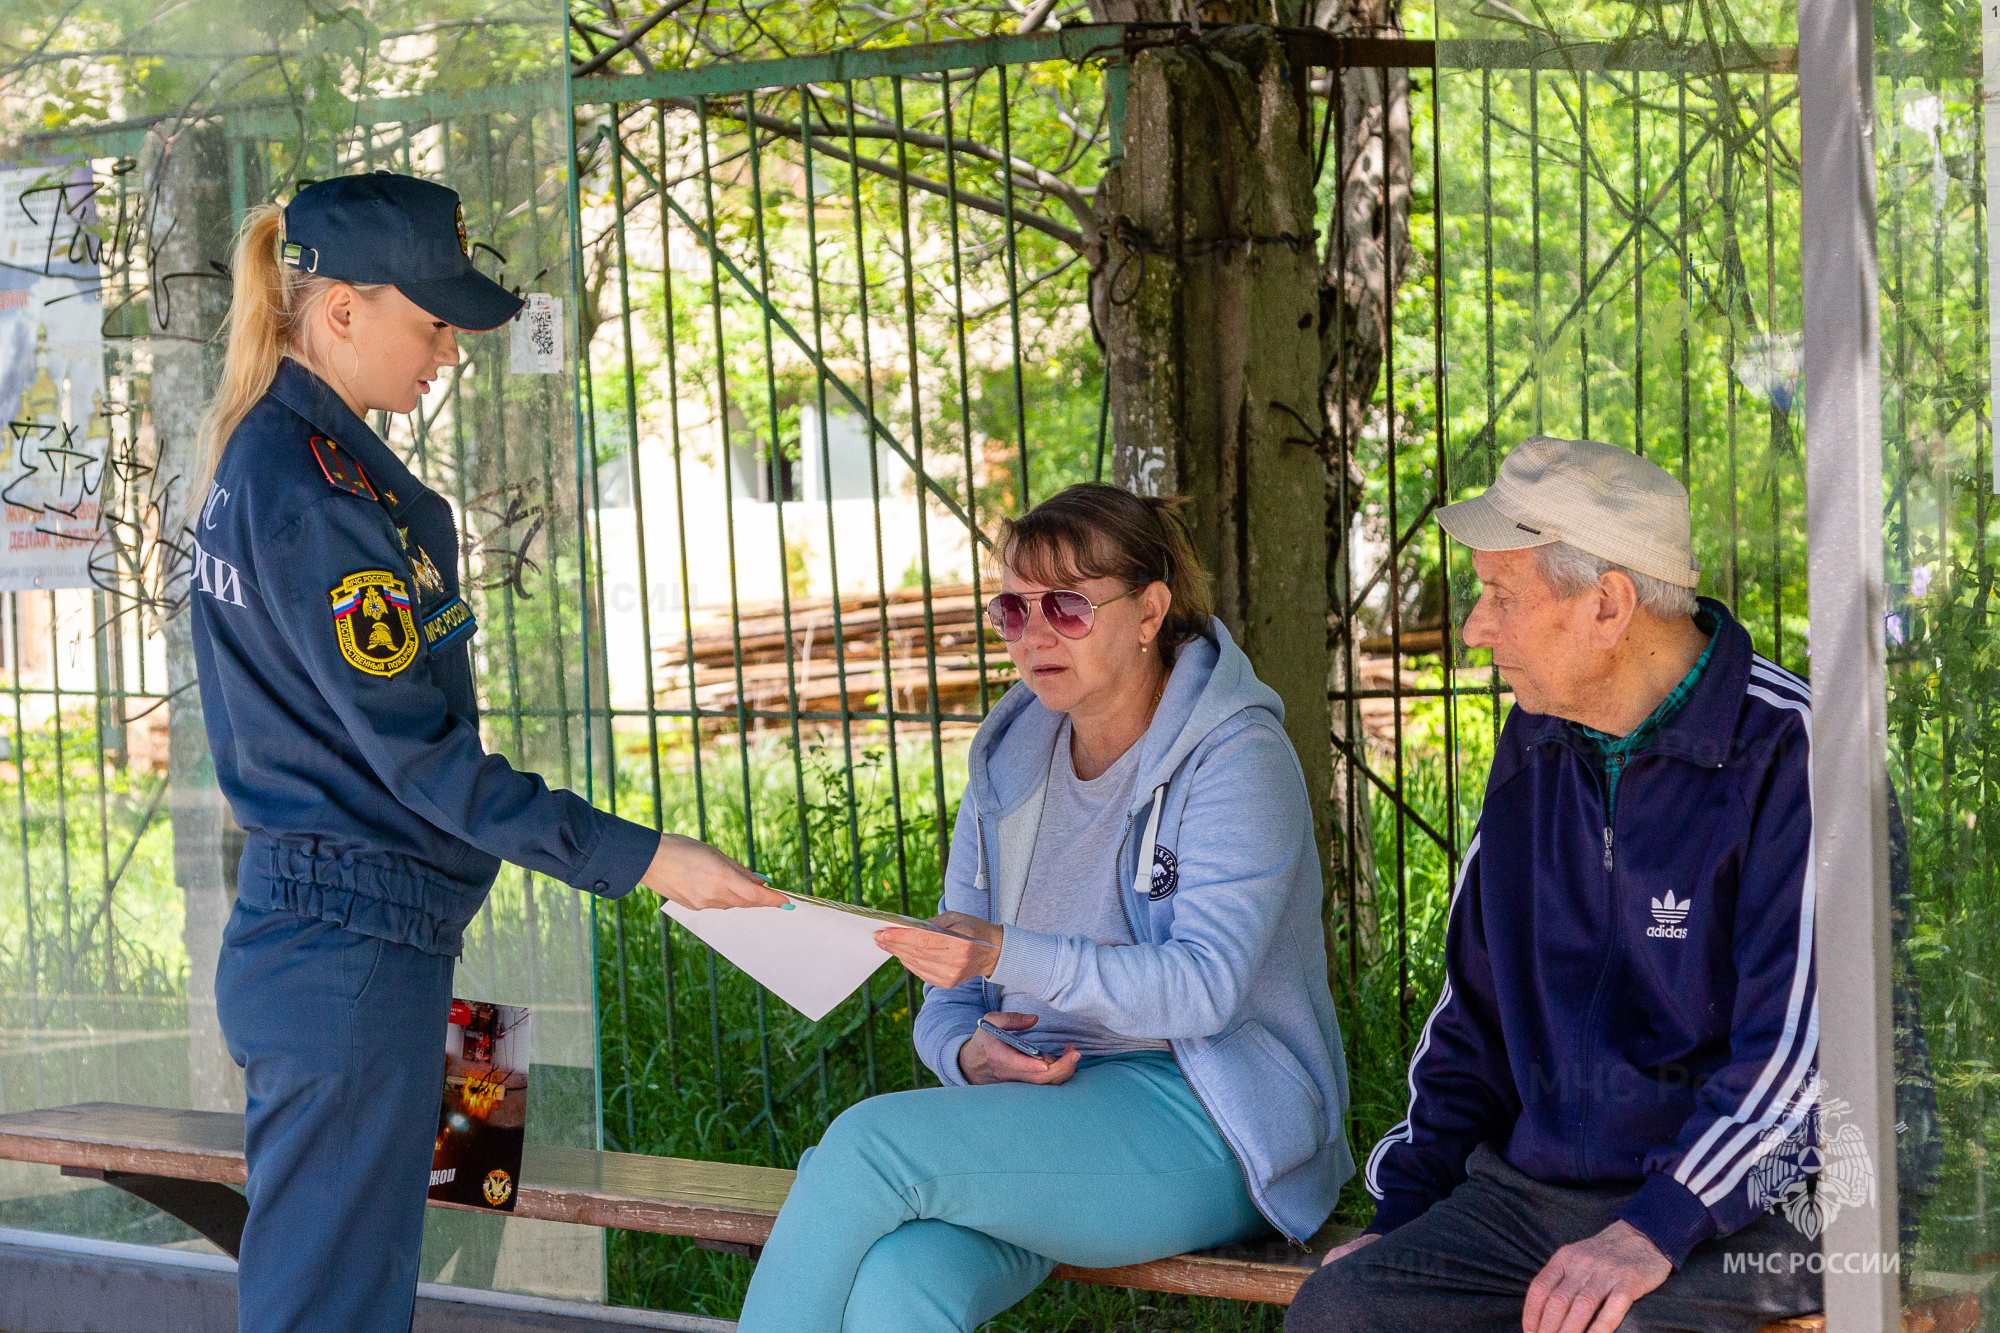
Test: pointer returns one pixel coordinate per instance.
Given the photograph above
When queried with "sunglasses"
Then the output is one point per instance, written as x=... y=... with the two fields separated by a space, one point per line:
x=1069 y=614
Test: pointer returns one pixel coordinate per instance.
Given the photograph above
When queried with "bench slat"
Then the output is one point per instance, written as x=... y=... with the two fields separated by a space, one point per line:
x=679 y=1197
x=671 y=1196
x=1198 y=1275
x=108 y=1136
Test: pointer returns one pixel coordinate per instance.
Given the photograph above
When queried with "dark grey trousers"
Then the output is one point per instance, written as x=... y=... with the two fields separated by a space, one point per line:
x=1465 y=1266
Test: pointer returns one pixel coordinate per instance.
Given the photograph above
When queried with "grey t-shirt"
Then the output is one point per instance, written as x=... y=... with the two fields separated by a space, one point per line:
x=1073 y=888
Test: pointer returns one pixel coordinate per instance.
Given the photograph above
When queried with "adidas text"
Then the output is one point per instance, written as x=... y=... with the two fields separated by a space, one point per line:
x=1666 y=932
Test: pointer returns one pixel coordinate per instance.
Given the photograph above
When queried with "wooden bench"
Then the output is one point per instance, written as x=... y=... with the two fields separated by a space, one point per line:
x=184 y=1161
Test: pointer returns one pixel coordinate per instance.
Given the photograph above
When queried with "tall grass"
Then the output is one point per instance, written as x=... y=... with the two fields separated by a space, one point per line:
x=90 y=916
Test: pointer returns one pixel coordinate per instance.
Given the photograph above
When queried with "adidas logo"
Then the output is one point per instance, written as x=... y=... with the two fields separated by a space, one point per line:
x=1669 y=914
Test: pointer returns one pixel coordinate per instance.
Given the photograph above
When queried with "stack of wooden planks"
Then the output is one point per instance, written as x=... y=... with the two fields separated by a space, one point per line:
x=781 y=654
x=802 y=652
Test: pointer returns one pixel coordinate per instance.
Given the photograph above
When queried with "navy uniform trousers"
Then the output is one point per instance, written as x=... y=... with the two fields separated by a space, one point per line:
x=341 y=1040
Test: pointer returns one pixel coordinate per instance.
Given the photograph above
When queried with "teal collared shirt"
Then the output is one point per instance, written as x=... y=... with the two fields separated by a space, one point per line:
x=1617 y=751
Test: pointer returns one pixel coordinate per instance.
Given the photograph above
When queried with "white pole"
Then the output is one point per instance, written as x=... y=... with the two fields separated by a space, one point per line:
x=1847 y=602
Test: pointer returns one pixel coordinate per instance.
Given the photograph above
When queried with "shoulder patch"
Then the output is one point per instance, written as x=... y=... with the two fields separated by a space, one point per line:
x=373 y=622
x=447 y=623
x=342 y=472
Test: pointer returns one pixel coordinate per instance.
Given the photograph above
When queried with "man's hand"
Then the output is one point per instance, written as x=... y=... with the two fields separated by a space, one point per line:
x=695 y=875
x=972 y=949
x=986 y=1059
x=1587 y=1287
x=1342 y=1251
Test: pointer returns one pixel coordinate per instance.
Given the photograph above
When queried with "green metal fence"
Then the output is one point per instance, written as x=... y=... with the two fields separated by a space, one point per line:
x=1602 y=240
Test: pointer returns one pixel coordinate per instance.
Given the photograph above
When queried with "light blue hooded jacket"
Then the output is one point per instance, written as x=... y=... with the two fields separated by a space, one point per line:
x=1229 y=964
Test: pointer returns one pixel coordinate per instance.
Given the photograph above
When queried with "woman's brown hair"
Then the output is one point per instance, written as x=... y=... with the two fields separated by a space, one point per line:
x=1093 y=531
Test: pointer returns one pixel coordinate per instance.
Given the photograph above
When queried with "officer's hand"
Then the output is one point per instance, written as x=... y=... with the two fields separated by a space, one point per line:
x=695 y=875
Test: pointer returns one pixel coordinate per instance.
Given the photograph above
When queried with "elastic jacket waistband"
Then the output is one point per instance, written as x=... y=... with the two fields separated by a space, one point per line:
x=373 y=893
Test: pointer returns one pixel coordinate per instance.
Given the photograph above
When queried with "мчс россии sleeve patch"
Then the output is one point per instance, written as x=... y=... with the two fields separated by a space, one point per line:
x=371 y=617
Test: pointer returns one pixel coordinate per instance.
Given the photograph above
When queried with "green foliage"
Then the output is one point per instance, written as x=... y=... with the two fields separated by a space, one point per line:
x=1938 y=530
x=894 y=295
x=90 y=916
x=77 y=64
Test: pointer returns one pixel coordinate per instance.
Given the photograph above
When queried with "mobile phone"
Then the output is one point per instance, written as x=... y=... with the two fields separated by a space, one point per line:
x=1018 y=1043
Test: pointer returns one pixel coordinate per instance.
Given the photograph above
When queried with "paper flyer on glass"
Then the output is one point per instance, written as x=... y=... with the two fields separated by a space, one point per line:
x=52 y=391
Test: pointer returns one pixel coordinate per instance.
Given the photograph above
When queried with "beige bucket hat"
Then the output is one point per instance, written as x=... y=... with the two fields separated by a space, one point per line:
x=1597 y=497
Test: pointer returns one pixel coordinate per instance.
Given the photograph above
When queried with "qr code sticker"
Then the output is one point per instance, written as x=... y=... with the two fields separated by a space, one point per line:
x=536 y=345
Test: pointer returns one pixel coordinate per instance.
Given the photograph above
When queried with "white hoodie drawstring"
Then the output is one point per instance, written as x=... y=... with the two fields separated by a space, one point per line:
x=1142 y=881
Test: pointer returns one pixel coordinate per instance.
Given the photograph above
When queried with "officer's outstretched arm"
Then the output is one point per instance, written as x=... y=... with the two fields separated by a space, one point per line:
x=339 y=588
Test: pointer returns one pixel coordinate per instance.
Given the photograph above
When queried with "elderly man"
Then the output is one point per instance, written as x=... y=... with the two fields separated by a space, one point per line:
x=1618 y=1080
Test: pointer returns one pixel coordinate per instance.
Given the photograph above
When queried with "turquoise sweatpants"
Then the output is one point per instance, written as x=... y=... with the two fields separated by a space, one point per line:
x=933 y=1211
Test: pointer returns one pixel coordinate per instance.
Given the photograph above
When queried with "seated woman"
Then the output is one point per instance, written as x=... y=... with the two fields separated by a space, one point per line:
x=1134 y=890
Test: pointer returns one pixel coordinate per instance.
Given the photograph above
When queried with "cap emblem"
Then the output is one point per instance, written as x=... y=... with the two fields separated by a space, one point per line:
x=464 y=241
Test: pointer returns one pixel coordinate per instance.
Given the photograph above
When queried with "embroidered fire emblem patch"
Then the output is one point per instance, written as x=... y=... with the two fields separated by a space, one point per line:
x=372 y=619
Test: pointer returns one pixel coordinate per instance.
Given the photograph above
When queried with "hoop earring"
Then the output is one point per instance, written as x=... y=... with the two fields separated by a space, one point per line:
x=355 y=353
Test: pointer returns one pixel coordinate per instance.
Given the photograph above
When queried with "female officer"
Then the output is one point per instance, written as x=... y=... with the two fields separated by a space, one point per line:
x=337 y=687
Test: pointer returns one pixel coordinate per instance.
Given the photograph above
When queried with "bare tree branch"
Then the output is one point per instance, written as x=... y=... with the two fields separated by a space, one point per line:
x=1077 y=200
x=631 y=38
x=825 y=142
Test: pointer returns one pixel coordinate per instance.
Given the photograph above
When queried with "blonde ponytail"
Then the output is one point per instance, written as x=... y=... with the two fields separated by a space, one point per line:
x=259 y=333
x=269 y=305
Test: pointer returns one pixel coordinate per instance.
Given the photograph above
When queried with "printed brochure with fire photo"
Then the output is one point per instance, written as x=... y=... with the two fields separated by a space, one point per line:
x=484 y=1120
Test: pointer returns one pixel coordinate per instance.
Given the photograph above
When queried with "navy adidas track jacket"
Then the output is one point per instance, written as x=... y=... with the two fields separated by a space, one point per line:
x=1629 y=1001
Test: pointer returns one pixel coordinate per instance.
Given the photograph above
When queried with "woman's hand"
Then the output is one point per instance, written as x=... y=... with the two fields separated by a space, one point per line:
x=695 y=875
x=972 y=949
x=986 y=1059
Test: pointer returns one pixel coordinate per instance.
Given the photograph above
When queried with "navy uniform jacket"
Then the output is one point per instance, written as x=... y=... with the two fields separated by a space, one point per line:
x=336 y=681
x=1631 y=1000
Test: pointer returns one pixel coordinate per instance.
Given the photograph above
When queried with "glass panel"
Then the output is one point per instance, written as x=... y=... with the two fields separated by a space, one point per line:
x=117 y=893
x=1619 y=245
x=1622 y=261
x=1934 y=114
x=815 y=388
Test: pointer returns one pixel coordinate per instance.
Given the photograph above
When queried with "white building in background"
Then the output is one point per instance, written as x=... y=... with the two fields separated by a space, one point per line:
x=808 y=491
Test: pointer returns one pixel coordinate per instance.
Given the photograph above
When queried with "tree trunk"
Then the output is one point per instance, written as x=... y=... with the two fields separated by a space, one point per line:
x=186 y=179
x=1208 y=301
x=1242 y=357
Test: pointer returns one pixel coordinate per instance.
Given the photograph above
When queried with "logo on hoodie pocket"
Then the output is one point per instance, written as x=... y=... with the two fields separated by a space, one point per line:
x=1166 y=875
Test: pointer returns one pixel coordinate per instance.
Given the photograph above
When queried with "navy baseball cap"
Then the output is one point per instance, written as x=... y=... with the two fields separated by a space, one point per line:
x=382 y=227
